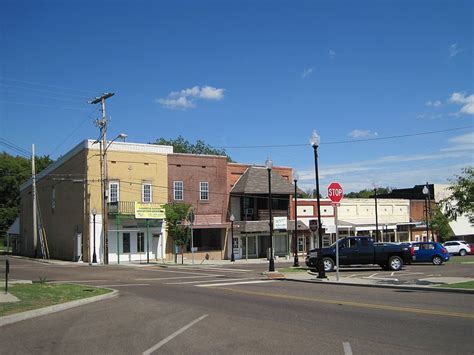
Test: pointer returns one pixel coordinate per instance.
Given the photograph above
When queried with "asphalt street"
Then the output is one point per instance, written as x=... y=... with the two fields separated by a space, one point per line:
x=232 y=309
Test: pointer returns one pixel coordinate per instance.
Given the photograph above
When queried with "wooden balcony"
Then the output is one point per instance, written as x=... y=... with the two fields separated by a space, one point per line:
x=264 y=215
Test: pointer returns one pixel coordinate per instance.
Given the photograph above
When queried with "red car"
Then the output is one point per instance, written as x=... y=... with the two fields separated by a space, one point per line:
x=472 y=249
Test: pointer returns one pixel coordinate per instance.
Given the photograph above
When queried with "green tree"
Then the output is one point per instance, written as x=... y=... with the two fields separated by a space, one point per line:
x=366 y=193
x=176 y=214
x=461 y=200
x=181 y=145
x=14 y=171
x=439 y=224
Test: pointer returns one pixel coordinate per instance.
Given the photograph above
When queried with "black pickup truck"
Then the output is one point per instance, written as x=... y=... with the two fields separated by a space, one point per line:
x=361 y=251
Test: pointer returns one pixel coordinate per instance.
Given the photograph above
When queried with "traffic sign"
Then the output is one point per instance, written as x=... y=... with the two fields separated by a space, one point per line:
x=313 y=225
x=335 y=192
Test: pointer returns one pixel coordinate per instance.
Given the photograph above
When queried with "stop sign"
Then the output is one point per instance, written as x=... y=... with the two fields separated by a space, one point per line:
x=335 y=192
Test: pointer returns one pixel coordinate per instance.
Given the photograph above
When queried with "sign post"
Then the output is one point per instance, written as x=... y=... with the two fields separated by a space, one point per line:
x=335 y=193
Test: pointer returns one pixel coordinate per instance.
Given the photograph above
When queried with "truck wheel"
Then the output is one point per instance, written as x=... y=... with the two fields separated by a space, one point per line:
x=395 y=263
x=462 y=252
x=328 y=264
x=437 y=260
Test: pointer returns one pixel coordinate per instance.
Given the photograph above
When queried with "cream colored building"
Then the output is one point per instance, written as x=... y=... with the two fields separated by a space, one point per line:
x=69 y=191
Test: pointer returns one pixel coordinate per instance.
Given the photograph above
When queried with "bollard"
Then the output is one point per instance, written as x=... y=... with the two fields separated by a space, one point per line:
x=7 y=271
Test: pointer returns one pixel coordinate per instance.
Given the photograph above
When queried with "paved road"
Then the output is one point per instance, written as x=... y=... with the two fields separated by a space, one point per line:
x=230 y=309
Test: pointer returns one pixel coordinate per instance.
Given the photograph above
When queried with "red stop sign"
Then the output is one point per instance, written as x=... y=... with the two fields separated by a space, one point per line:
x=335 y=192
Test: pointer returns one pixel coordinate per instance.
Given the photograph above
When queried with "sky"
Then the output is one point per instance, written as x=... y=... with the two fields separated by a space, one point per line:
x=253 y=77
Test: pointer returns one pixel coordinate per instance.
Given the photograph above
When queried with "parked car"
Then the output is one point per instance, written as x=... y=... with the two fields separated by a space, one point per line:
x=458 y=247
x=471 y=245
x=429 y=252
x=361 y=251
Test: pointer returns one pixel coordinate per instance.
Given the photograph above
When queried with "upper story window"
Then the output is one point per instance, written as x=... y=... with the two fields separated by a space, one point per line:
x=178 y=190
x=146 y=192
x=114 y=191
x=204 y=190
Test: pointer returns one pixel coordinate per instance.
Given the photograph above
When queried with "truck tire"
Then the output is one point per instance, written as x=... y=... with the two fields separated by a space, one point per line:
x=328 y=264
x=395 y=263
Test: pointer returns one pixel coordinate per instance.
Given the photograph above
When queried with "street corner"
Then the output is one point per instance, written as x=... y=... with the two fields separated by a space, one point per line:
x=273 y=275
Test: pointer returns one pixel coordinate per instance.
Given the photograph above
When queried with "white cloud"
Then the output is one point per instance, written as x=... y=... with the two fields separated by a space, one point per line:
x=435 y=103
x=332 y=54
x=360 y=133
x=186 y=98
x=454 y=50
x=467 y=102
x=307 y=72
x=462 y=143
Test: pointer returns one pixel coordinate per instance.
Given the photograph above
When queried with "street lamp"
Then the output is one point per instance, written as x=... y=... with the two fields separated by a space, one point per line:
x=376 y=214
x=94 y=255
x=269 y=166
x=191 y=221
x=232 y=219
x=426 y=192
x=315 y=140
x=295 y=180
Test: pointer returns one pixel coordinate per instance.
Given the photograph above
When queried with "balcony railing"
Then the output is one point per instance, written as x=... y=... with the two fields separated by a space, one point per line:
x=121 y=207
x=264 y=215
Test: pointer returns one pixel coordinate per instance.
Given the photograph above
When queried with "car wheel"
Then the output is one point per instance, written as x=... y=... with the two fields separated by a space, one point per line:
x=462 y=252
x=395 y=263
x=437 y=260
x=328 y=264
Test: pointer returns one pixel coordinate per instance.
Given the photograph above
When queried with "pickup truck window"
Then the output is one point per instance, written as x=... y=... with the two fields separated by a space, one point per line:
x=349 y=243
x=364 y=242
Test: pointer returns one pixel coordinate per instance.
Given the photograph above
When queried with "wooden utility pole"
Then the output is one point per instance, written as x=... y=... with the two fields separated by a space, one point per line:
x=33 y=193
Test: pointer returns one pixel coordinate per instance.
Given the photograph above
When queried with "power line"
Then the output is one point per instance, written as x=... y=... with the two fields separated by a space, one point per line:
x=348 y=141
x=14 y=147
x=41 y=105
x=47 y=85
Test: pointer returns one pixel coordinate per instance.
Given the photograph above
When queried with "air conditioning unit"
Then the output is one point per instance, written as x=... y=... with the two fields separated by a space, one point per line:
x=248 y=211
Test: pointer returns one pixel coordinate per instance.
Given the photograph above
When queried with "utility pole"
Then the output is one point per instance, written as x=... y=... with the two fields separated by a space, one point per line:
x=102 y=124
x=35 y=222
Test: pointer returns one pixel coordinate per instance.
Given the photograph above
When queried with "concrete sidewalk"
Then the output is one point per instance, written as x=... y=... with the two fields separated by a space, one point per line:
x=432 y=283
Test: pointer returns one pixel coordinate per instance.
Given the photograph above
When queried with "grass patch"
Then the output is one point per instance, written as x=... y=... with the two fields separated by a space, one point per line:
x=39 y=295
x=467 y=284
x=294 y=269
x=456 y=259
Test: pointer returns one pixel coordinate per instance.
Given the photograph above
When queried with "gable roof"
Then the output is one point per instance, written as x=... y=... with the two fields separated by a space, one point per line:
x=255 y=181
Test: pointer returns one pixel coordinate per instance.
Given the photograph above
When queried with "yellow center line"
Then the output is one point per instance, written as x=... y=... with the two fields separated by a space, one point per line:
x=354 y=304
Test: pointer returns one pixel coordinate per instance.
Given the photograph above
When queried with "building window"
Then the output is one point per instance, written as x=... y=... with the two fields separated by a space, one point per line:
x=178 y=190
x=126 y=242
x=140 y=242
x=114 y=195
x=146 y=192
x=204 y=190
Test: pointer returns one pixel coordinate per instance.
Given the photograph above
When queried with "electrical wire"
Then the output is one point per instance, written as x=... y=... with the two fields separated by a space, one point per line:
x=47 y=85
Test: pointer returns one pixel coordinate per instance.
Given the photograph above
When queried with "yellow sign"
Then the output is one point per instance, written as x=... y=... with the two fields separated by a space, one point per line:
x=149 y=210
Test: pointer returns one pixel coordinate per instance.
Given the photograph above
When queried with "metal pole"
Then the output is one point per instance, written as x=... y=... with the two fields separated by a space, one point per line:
x=192 y=244
x=147 y=243
x=321 y=271
x=296 y=262
x=337 y=244
x=376 y=217
x=35 y=222
x=232 y=256
x=94 y=255
x=427 y=226
x=428 y=211
x=7 y=271
x=271 y=265
x=117 y=219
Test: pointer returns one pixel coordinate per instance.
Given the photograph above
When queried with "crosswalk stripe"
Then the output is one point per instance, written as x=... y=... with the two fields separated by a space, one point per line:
x=236 y=283
x=203 y=281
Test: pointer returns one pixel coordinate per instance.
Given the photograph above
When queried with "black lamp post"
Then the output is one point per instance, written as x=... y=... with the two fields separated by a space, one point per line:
x=426 y=192
x=94 y=255
x=315 y=140
x=232 y=219
x=269 y=166
x=295 y=179
x=376 y=216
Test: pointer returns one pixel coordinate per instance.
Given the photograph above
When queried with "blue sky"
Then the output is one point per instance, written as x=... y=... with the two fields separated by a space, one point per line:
x=250 y=73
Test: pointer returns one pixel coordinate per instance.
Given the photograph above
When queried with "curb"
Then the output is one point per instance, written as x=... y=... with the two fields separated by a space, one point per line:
x=399 y=287
x=55 y=308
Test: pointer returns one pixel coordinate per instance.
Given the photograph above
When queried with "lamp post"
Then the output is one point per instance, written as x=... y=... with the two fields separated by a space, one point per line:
x=295 y=180
x=376 y=215
x=315 y=140
x=426 y=192
x=232 y=256
x=191 y=221
x=94 y=255
x=104 y=186
x=269 y=166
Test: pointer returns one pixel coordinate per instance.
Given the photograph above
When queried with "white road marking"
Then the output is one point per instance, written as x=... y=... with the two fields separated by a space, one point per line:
x=203 y=281
x=347 y=348
x=236 y=283
x=179 y=277
x=175 y=334
x=174 y=271
x=124 y=285
x=75 y=281
x=223 y=269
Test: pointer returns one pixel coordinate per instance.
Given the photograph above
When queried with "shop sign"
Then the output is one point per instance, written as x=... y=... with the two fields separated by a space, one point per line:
x=149 y=210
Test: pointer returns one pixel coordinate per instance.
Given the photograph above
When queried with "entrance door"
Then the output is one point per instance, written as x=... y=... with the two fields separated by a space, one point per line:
x=251 y=242
x=263 y=245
